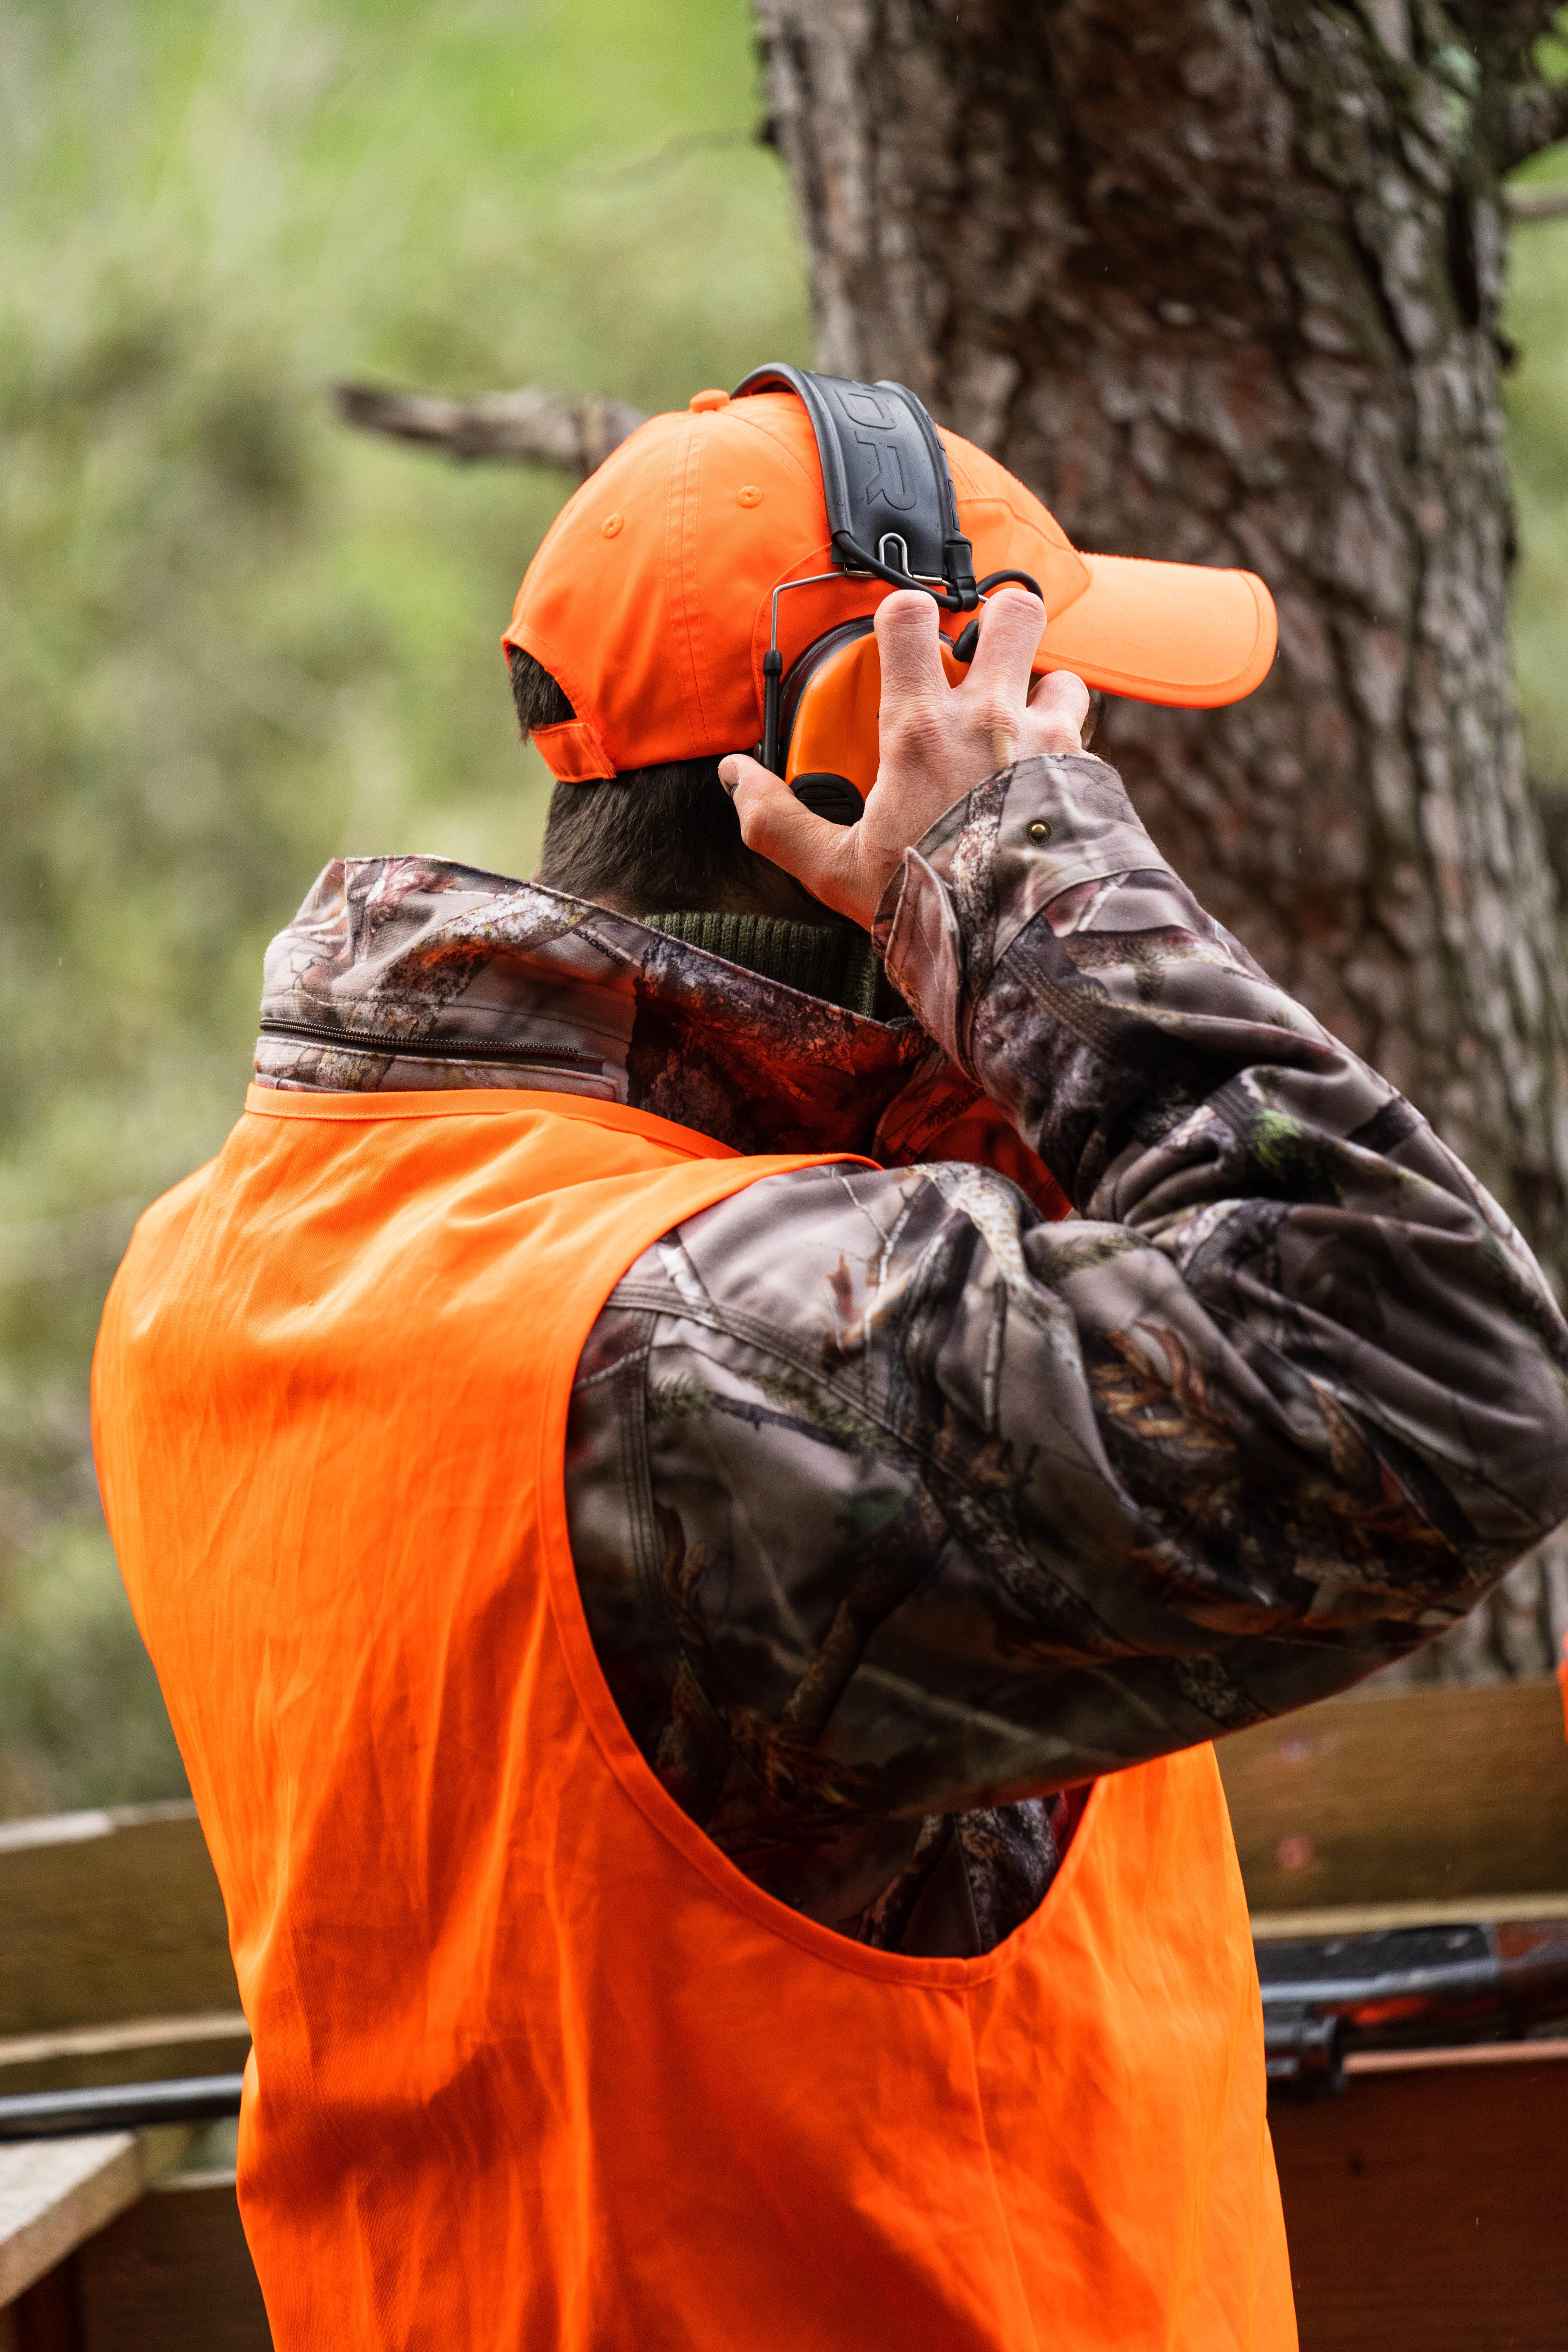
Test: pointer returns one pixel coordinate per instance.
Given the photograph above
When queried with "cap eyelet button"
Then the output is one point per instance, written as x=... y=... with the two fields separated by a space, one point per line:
x=1040 y=832
x=749 y=495
x=613 y=525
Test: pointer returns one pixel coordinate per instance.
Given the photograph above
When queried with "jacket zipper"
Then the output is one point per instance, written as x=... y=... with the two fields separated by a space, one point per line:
x=426 y=1049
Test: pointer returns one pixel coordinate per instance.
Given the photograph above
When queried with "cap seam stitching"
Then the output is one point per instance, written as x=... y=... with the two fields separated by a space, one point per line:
x=674 y=543
x=701 y=674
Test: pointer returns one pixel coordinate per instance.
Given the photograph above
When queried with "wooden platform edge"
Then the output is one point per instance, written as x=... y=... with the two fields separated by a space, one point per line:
x=56 y=2193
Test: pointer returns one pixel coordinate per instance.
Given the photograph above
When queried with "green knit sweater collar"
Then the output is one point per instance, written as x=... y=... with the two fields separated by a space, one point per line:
x=834 y=961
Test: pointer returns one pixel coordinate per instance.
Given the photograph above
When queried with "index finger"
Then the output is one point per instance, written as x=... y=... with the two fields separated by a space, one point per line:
x=1011 y=627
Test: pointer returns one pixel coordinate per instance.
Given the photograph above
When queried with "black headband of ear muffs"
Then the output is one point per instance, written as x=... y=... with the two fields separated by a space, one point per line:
x=886 y=477
x=893 y=511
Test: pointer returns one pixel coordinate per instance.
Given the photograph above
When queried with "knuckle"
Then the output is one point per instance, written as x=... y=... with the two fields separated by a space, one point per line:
x=753 y=806
x=762 y=835
x=915 y=732
x=1054 y=733
x=993 y=716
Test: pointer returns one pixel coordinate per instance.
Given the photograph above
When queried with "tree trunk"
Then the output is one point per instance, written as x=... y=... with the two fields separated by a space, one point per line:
x=1219 y=278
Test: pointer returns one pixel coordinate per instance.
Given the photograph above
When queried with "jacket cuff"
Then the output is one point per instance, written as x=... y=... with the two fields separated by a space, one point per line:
x=988 y=867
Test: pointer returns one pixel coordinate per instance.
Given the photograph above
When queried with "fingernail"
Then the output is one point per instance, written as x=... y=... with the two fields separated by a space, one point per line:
x=727 y=778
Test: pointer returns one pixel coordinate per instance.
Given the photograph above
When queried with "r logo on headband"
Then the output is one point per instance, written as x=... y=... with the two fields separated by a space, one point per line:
x=860 y=405
x=888 y=483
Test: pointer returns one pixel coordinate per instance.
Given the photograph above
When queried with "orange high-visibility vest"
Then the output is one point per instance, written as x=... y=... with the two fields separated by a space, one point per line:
x=534 y=2067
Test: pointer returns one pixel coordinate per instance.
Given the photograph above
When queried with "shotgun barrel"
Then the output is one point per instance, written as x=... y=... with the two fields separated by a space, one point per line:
x=1404 y=1988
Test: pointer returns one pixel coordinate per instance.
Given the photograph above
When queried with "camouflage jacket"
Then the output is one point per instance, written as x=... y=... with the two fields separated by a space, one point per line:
x=901 y=1509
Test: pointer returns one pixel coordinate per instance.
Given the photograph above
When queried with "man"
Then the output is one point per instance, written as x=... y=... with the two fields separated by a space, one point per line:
x=694 y=1592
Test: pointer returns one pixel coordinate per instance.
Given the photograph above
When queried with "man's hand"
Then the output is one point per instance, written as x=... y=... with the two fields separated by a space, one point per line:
x=937 y=742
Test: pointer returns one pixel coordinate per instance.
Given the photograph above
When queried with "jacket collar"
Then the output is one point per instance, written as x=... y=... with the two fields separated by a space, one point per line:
x=400 y=973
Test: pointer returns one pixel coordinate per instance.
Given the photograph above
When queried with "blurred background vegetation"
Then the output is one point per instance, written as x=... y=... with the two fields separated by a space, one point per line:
x=237 y=639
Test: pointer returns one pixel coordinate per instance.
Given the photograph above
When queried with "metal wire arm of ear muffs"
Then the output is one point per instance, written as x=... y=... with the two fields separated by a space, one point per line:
x=860 y=559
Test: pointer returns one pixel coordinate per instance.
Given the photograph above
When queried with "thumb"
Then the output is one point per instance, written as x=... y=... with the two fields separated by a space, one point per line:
x=1058 y=706
x=774 y=823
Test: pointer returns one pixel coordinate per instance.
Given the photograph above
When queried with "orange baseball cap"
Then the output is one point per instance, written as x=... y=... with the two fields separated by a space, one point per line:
x=651 y=600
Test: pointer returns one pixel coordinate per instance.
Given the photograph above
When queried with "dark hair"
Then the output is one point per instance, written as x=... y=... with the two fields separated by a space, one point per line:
x=540 y=701
x=659 y=840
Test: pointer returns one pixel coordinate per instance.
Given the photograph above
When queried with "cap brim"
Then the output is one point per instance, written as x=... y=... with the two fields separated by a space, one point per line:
x=1174 y=633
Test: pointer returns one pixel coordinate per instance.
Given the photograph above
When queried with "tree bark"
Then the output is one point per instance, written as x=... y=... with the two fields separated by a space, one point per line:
x=1219 y=278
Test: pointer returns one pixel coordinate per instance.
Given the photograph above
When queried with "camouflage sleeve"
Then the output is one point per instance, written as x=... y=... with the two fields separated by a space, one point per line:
x=891 y=1499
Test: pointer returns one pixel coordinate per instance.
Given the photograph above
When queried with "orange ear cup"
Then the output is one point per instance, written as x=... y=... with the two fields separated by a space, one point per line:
x=835 y=730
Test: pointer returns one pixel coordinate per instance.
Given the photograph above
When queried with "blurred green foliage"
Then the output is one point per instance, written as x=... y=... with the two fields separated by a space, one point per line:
x=235 y=638
x=1537 y=405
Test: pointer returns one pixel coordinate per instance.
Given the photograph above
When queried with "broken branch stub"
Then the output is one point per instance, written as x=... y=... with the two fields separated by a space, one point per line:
x=530 y=426
x=1533 y=203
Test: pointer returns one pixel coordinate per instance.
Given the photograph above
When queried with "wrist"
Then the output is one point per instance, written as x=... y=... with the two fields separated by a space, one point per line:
x=988 y=866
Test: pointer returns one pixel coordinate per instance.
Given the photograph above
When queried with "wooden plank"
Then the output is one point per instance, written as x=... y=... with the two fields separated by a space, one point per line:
x=1424 y=2207
x=139 y=2049
x=1478 y=2053
x=110 y=1916
x=173 y=2272
x=1406 y=1796
x=54 y=2193
x=1369 y=1918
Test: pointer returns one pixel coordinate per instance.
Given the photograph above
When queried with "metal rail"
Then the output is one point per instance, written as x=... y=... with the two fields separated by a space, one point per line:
x=119 y=2106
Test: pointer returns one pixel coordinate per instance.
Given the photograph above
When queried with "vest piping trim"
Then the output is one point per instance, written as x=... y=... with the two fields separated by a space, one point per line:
x=494 y=1102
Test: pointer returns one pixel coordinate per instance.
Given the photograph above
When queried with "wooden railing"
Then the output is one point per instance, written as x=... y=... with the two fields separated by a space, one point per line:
x=1424 y=2205
x=114 y=1968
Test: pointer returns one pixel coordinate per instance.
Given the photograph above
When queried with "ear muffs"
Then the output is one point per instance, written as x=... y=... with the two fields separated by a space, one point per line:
x=828 y=709
x=823 y=713
x=892 y=510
